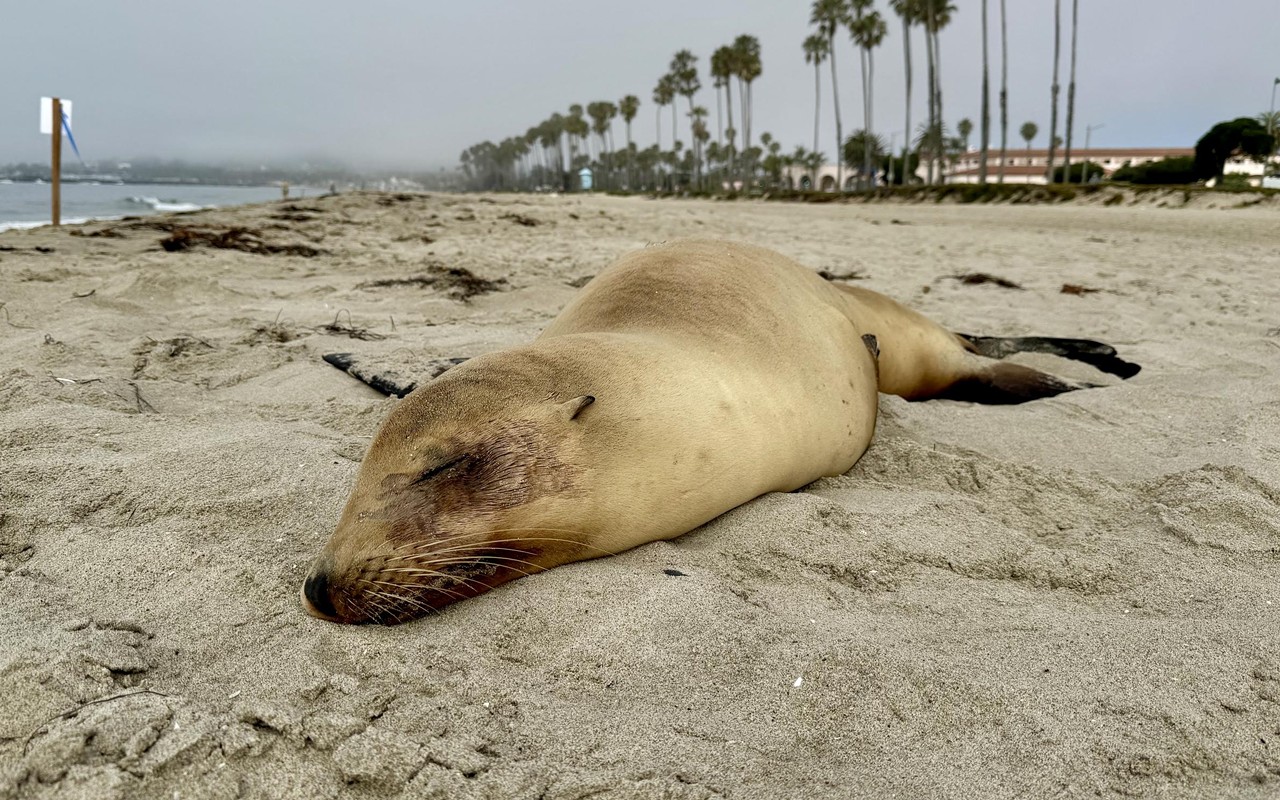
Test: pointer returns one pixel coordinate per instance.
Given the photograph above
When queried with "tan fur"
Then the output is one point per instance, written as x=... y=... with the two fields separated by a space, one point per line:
x=720 y=372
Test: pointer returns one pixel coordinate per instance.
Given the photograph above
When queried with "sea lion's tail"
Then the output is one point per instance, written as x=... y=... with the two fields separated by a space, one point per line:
x=1006 y=384
x=918 y=359
x=1096 y=354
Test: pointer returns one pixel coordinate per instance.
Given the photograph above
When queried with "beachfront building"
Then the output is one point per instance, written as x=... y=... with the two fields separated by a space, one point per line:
x=1025 y=166
x=1031 y=166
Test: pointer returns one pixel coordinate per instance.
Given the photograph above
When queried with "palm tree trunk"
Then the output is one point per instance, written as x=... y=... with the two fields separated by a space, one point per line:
x=937 y=78
x=657 y=127
x=719 y=121
x=986 y=101
x=728 y=105
x=835 y=96
x=871 y=110
x=1004 y=91
x=1053 y=114
x=929 y=144
x=1071 y=93
x=906 y=131
x=817 y=100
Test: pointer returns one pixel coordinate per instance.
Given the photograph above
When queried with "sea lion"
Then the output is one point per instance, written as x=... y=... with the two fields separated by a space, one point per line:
x=683 y=380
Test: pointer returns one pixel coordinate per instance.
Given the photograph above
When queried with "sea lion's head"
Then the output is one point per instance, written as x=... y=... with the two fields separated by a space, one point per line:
x=464 y=487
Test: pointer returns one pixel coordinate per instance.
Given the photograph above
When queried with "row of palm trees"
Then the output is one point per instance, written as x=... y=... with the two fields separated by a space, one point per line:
x=538 y=158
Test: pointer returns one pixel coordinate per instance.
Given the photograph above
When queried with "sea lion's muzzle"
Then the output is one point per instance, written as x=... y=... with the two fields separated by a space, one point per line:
x=316 y=597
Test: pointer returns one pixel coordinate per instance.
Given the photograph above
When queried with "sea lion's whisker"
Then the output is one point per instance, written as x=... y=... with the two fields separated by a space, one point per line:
x=438 y=574
x=482 y=559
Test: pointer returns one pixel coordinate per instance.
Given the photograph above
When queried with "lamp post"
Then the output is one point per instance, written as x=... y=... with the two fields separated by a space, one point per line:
x=1088 y=131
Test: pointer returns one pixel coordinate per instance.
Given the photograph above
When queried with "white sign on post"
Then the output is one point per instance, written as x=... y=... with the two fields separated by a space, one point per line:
x=46 y=114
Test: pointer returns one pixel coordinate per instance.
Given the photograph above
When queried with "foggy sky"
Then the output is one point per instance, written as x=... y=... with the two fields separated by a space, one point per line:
x=411 y=83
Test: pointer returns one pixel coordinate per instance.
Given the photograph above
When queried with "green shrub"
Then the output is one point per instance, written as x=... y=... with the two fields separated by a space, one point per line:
x=1166 y=172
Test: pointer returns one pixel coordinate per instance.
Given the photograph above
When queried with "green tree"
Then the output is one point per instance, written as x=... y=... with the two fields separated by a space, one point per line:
x=868 y=30
x=747 y=66
x=720 y=69
x=663 y=94
x=827 y=16
x=1166 y=172
x=965 y=128
x=628 y=107
x=864 y=147
x=937 y=15
x=1243 y=136
x=816 y=49
x=684 y=75
x=1083 y=172
x=1028 y=132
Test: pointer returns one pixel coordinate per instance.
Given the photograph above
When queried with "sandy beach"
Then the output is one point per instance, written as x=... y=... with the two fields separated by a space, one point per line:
x=1072 y=598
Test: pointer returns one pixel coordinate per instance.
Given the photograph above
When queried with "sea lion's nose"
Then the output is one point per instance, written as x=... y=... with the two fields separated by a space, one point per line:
x=316 y=598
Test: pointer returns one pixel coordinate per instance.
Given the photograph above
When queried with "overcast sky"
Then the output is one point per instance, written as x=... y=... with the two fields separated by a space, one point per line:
x=413 y=82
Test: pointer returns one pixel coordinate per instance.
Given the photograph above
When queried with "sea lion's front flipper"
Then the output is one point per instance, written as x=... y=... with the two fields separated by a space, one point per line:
x=387 y=381
x=1096 y=354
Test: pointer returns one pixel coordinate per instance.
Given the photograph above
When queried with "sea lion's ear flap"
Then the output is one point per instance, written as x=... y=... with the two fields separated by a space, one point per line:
x=576 y=406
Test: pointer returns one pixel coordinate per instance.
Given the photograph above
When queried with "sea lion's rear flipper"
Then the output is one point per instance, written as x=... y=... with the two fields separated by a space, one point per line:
x=387 y=381
x=1096 y=354
x=1008 y=384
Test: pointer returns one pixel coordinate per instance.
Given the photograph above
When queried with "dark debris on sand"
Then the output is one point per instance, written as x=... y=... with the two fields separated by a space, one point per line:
x=1077 y=289
x=978 y=278
x=852 y=275
x=243 y=239
x=458 y=283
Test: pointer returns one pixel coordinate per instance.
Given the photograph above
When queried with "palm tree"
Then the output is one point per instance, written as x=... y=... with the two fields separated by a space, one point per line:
x=722 y=68
x=698 y=129
x=864 y=147
x=965 y=128
x=828 y=15
x=1053 y=115
x=662 y=95
x=1004 y=90
x=719 y=70
x=937 y=17
x=684 y=74
x=1028 y=131
x=986 y=104
x=1071 y=93
x=629 y=106
x=868 y=29
x=909 y=11
x=815 y=52
x=747 y=66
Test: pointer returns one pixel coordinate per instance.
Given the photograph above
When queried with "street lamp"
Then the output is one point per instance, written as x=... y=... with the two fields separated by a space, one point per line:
x=1088 y=131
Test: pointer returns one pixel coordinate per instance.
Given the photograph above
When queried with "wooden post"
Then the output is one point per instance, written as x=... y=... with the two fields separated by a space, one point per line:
x=56 y=162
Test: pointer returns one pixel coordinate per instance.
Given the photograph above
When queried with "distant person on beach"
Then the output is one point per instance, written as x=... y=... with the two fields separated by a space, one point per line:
x=284 y=190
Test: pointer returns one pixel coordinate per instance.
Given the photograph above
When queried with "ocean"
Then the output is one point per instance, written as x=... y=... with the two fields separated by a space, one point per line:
x=26 y=205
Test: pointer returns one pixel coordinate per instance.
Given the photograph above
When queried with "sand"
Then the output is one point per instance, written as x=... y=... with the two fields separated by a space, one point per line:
x=1072 y=598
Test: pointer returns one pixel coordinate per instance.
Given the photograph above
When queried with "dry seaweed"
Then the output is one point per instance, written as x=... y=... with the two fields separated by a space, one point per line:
x=841 y=276
x=458 y=283
x=243 y=239
x=350 y=330
x=521 y=219
x=1077 y=289
x=978 y=278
